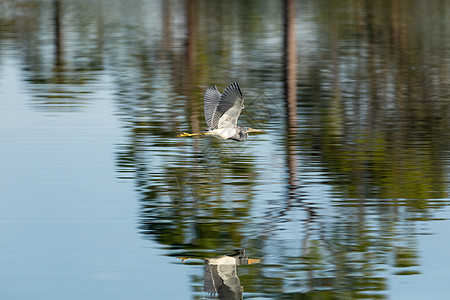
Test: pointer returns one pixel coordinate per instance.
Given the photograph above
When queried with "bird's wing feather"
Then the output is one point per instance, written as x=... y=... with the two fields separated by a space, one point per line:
x=211 y=99
x=210 y=278
x=229 y=108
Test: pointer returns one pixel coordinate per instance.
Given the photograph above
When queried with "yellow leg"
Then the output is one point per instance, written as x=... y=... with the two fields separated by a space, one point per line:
x=186 y=258
x=191 y=134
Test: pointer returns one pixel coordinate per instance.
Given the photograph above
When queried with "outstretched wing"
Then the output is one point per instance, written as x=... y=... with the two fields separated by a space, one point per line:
x=229 y=108
x=211 y=279
x=211 y=99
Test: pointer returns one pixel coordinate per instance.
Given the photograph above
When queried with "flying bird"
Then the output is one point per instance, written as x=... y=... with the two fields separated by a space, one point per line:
x=222 y=112
x=220 y=277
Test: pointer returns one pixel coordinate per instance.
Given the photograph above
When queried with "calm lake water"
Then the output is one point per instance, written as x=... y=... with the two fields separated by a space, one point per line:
x=346 y=195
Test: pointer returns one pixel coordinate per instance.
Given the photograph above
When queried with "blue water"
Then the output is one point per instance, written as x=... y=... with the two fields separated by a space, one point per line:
x=345 y=197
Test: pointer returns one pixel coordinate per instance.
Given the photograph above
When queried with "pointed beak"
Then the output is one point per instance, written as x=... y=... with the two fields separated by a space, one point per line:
x=255 y=130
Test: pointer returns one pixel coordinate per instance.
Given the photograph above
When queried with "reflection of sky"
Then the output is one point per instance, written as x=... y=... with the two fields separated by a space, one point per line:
x=433 y=247
x=68 y=226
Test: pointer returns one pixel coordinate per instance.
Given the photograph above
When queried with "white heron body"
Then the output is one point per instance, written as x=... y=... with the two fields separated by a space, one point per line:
x=221 y=278
x=223 y=133
x=222 y=260
x=222 y=112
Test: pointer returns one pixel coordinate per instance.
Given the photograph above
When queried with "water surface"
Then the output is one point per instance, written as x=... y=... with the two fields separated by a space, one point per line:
x=344 y=197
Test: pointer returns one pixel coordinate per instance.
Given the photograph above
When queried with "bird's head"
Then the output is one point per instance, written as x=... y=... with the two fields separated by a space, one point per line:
x=242 y=133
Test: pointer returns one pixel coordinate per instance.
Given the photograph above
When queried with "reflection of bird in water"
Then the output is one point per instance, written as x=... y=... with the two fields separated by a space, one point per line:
x=220 y=279
x=222 y=112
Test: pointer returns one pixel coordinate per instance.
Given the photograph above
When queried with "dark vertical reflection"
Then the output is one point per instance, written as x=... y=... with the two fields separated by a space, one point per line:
x=167 y=27
x=58 y=34
x=290 y=91
x=191 y=35
x=290 y=88
x=190 y=54
x=290 y=66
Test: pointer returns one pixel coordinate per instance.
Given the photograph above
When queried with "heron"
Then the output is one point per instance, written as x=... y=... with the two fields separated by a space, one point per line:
x=220 y=276
x=222 y=112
